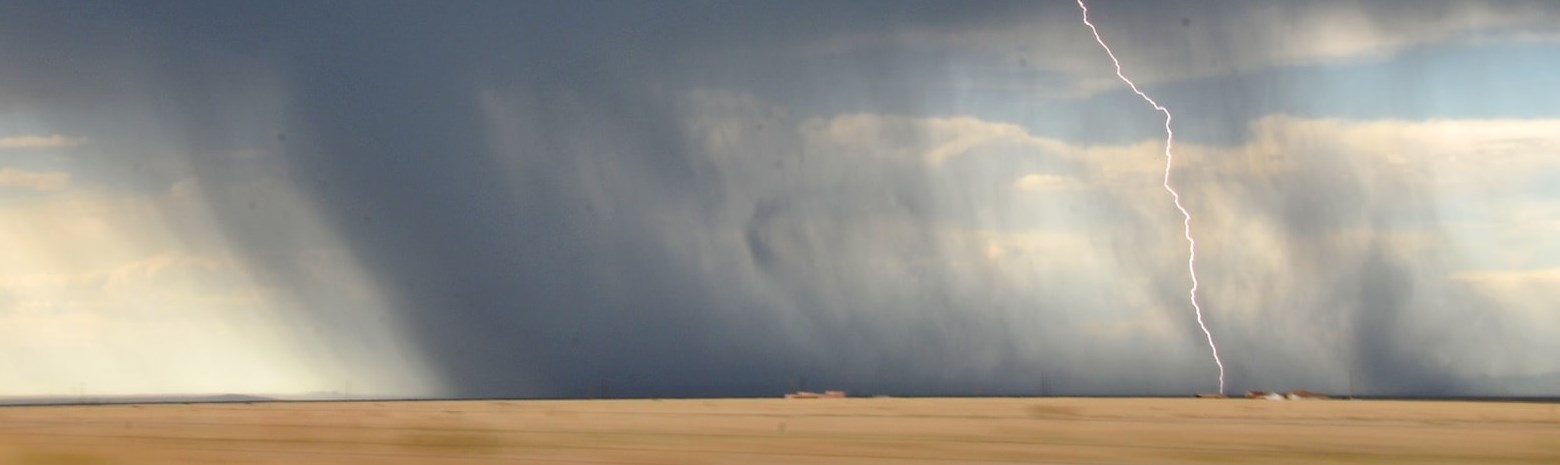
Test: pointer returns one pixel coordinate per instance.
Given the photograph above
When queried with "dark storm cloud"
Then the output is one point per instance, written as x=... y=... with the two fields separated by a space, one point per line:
x=521 y=180
x=1376 y=304
x=512 y=279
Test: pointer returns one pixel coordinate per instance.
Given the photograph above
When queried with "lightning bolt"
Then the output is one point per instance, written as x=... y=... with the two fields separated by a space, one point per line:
x=1191 y=261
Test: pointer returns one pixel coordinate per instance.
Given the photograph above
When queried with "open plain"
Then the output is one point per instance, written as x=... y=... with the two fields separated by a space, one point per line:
x=776 y=431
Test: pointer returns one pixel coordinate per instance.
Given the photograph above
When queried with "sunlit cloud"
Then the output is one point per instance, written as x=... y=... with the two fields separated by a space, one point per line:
x=1538 y=280
x=34 y=181
x=41 y=142
x=126 y=293
x=1043 y=181
x=1219 y=40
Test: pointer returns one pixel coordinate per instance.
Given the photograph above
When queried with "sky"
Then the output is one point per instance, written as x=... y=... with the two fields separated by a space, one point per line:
x=708 y=198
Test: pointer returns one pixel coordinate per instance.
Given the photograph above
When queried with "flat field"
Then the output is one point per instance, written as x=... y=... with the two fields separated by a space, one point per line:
x=778 y=431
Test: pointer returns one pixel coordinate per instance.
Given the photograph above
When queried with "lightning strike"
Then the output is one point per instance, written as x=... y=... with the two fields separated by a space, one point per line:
x=1191 y=261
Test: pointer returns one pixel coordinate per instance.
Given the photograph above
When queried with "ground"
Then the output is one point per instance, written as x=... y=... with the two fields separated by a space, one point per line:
x=776 y=431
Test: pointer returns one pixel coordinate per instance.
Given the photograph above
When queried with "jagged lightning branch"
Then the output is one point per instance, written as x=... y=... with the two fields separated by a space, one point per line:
x=1191 y=261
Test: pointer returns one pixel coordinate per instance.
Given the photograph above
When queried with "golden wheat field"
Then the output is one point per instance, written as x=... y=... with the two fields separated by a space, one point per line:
x=776 y=431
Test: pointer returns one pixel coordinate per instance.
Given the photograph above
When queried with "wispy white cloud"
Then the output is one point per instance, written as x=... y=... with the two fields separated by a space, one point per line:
x=40 y=142
x=1548 y=278
x=933 y=141
x=35 y=181
x=1479 y=154
x=1223 y=39
x=1044 y=181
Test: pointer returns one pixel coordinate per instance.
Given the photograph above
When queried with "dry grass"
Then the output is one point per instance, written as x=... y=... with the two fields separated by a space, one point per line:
x=843 y=431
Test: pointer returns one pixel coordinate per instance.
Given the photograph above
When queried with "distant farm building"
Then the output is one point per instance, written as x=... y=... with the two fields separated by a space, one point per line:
x=816 y=395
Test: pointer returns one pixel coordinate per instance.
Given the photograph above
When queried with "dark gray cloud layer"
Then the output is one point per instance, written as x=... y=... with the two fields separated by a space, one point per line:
x=521 y=180
x=514 y=282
